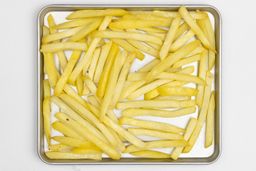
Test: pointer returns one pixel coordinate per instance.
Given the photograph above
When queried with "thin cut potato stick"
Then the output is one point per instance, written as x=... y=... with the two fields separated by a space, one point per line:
x=65 y=130
x=196 y=51
x=86 y=58
x=181 y=41
x=202 y=113
x=59 y=148
x=92 y=67
x=209 y=132
x=102 y=60
x=47 y=119
x=177 y=91
x=153 y=30
x=86 y=90
x=155 y=104
x=189 y=129
x=149 y=65
x=150 y=154
x=47 y=89
x=128 y=35
x=181 y=30
x=50 y=68
x=194 y=14
x=79 y=84
x=69 y=155
x=151 y=125
x=173 y=98
x=157 y=134
x=91 y=86
x=169 y=38
x=123 y=133
x=157 y=112
x=187 y=60
x=86 y=132
x=64 y=77
x=131 y=88
x=96 y=13
x=55 y=47
x=151 y=94
x=194 y=26
x=75 y=23
x=144 y=47
x=156 y=144
x=136 y=76
x=147 y=17
x=82 y=150
x=72 y=142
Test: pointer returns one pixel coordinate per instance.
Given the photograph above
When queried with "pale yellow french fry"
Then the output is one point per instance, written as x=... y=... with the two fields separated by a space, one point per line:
x=86 y=114
x=177 y=91
x=161 y=36
x=59 y=148
x=181 y=30
x=87 y=133
x=151 y=94
x=50 y=68
x=189 y=129
x=157 y=134
x=69 y=155
x=55 y=47
x=106 y=71
x=86 y=90
x=128 y=35
x=128 y=47
x=79 y=84
x=136 y=76
x=181 y=41
x=151 y=125
x=146 y=88
x=70 y=112
x=75 y=23
x=86 y=58
x=181 y=77
x=83 y=150
x=187 y=60
x=65 y=75
x=149 y=65
x=144 y=47
x=131 y=88
x=156 y=144
x=194 y=14
x=194 y=26
x=92 y=67
x=153 y=30
x=96 y=13
x=153 y=45
x=173 y=98
x=172 y=58
x=60 y=35
x=203 y=68
x=47 y=89
x=113 y=77
x=123 y=133
x=85 y=30
x=196 y=51
x=102 y=60
x=147 y=17
x=121 y=145
x=202 y=113
x=157 y=112
x=90 y=84
x=46 y=31
x=150 y=154
x=209 y=131
x=173 y=84
x=72 y=142
x=65 y=130
x=122 y=78
x=47 y=119
x=169 y=38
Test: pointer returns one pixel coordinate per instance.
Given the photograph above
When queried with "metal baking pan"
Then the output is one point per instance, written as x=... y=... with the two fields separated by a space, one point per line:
x=183 y=160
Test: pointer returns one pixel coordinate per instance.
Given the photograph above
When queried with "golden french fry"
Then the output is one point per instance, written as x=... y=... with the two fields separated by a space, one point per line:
x=47 y=89
x=50 y=68
x=187 y=60
x=69 y=155
x=202 y=113
x=157 y=134
x=123 y=133
x=189 y=129
x=151 y=94
x=72 y=142
x=209 y=132
x=79 y=84
x=181 y=41
x=96 y=13
x=156 y=144
x=128 y=35
x=150 y=125
x=169 y=38
x=55 y=47
x=131 y=88
x=83 y=150
x=150 y=154
x=177 y=91
x=92 y=67
x=149 y=65
x=157 y=112
x=47 y=119
x=75 y=23
x=59 y=148
x=87 y=133
x=65 y=130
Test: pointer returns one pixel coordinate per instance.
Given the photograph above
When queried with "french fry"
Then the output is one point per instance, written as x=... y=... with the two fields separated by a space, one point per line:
x=79 y=84
x=147 y=17
x=189 y=129
x=202 y=113
x=144 y=47
x=169 y=38
x=47 y=89
x=113 y=77
x=158 y=113
x=173 y=98
x=194 y=26
x=86 y=90
x=151 y=125
x=86 y=58
x=153 y=30
x=55 y=47
x=156 y=144
x=65 y=130
x=123 y=133
x=194 y=14
x=72 y=93
x=50 y=68
x=151 y=94
x=209 y=132
x=69 y=155
x=157 y=134
x=131 y=88
x=136 y=76
x=75 y=23
x=59 y=148
x=177 y=91
x=196 y=51
x=47 y=119
x=73 y=142
x=96 y=13
x=87 y=133
x=181 y=30
x=82 y=150
x=91 y=86
x=150 y=154
x=92 y=67
x=187 y=60
x=181 y=41
x=128 y=35
x=101 y=61
x=149 y=65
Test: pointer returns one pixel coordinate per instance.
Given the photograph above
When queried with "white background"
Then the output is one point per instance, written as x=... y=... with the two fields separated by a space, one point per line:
x=18 y=87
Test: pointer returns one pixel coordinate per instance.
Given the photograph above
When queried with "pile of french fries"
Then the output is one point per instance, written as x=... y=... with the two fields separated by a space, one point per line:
x=100 y=98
